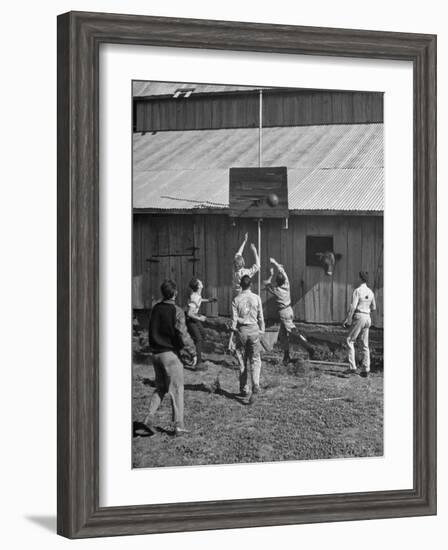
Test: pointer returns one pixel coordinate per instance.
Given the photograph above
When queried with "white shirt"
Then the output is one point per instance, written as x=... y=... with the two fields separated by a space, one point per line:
x=239 y=274
x=247 y=310
x=363 y=301
x=194 y=303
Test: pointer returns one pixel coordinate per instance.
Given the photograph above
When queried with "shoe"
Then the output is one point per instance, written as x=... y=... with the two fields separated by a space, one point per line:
x=243 y=393
x=142 y=429
x=254 y=395
x=351 y=371
x=180 y=431
x=252 y=399
x=364 y=374
x=149 y=425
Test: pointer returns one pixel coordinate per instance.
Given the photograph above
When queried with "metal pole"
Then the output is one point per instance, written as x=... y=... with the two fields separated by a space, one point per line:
x=260 y=163
x=259 y=256
x=260 y=130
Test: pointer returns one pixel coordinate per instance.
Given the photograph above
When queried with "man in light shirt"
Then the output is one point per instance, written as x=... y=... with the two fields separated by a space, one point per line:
x=358 y=318
x=248 y=323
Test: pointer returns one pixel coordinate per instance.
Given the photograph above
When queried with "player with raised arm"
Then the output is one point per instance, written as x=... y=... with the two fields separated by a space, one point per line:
x=239 y=266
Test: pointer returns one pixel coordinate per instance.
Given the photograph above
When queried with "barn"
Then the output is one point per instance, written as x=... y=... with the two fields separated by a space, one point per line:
x=186 y=139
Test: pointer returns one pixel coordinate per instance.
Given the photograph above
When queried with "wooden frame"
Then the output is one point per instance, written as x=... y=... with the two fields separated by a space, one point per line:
x=79 y=37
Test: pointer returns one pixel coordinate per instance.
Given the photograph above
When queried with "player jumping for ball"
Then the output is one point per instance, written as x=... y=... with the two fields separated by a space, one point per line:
x=282 y=293
x=239 y=269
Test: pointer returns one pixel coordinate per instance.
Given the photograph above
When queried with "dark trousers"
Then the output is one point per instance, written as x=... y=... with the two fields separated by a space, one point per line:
x=197 y=333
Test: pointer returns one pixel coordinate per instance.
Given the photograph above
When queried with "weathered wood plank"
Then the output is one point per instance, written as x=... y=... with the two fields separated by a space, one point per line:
x=340 y=272
x=315 y=296
x=296 y=237
x=211 y=252
x=354 y=256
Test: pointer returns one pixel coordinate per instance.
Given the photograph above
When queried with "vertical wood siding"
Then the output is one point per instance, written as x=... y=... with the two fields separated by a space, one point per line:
x=316 y=297
x=280 y=108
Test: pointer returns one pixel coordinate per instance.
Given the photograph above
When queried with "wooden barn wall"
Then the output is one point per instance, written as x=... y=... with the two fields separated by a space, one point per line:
x=316 y=297
x=242 y=110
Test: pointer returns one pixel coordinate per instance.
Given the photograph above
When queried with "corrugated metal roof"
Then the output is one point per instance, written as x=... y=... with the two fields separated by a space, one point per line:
x=144 y=88
x=330 y=167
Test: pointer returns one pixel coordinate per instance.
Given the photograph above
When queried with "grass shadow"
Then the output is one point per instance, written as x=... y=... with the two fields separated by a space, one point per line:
x=215 y=389
x=229 y=395
x=139 y=429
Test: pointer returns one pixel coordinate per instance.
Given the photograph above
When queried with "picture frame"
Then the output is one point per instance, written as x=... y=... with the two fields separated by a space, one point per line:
x=80 y=35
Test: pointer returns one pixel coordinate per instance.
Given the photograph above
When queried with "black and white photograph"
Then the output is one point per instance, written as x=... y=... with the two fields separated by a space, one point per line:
x=223 y=258
x=257 y=322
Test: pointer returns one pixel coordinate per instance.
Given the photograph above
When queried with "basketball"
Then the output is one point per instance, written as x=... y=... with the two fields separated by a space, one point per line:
x=272 y=199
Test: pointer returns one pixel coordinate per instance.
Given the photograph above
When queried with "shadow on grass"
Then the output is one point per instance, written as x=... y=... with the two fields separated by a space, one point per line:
x=335 y=374
x=223 y=363
x=234 y=396
x=205 y=388
x=217 y=390
x=140 y=430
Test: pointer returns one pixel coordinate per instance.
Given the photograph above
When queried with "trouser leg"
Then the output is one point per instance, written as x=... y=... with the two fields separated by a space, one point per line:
x=256 y=371
x=286 y=328
x=244 y=386
x=255 y=358
x=175 y=377
x=243 y=360
x=194 y=328
x=160 y=391
x=239 y=354
x=351 y=354
x=365 y=362
x=283 y=339
x=351 y=339
x=176 y=391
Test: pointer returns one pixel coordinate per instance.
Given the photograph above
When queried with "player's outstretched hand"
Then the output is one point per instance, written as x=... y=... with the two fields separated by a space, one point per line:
x=253 y=247
x=246 y=236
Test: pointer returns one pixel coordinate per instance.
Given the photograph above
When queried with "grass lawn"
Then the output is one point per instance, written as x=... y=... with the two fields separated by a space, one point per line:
x=303 y=413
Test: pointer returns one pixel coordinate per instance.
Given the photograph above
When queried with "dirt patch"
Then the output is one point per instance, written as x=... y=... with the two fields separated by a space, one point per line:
x=324 y=342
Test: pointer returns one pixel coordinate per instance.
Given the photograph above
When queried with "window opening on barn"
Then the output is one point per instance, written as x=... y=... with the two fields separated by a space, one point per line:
x=183 y=92
x=316 y=245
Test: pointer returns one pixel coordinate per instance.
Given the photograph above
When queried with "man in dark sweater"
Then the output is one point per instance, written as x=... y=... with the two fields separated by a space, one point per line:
x=169 y=338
